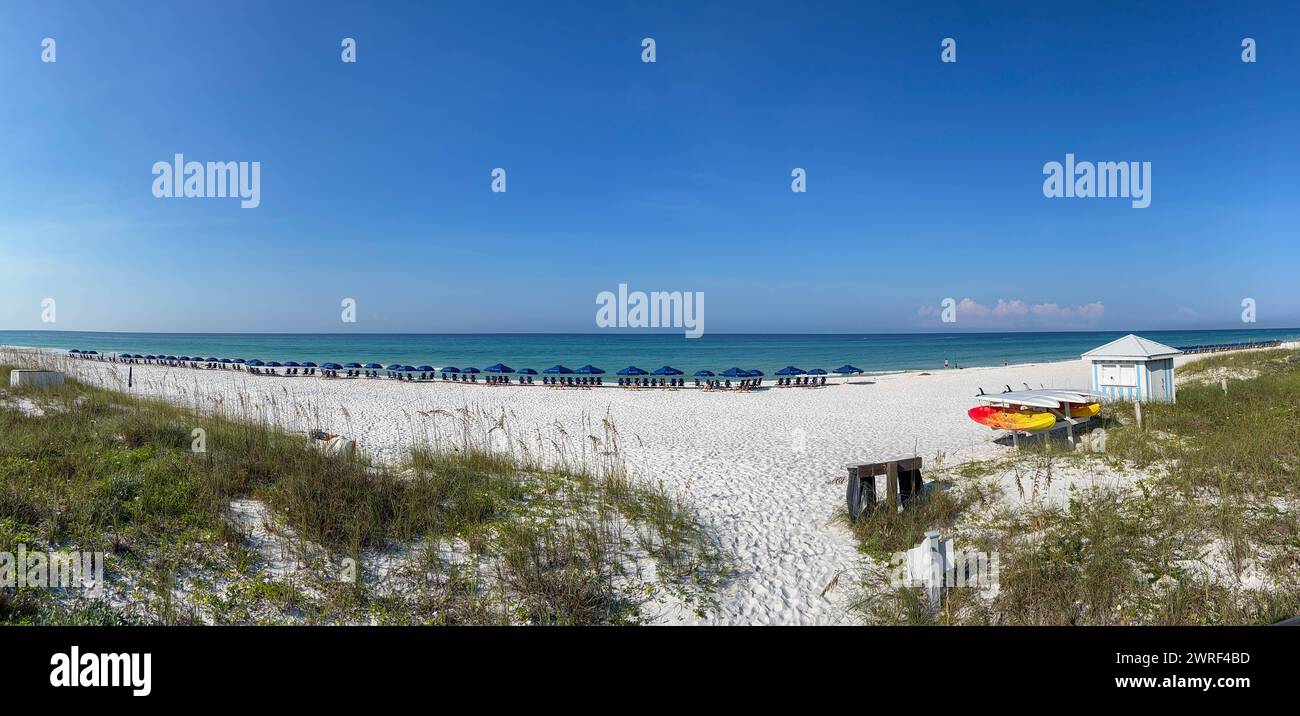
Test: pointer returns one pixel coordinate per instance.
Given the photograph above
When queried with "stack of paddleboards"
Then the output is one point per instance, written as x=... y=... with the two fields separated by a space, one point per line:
x=1033 y=410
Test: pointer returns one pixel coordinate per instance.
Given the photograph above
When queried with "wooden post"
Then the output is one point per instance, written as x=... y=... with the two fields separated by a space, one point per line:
x=1137 y=411
x=891 y=486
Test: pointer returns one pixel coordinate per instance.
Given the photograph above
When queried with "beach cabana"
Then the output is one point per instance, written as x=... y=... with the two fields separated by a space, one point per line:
x=1133 y=368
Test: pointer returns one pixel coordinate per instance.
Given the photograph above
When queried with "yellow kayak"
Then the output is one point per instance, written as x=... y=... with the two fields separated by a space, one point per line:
x=1084 y=410
x=1008 y=419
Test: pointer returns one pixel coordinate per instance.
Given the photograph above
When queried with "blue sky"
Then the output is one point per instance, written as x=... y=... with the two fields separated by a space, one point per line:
x=924 y=178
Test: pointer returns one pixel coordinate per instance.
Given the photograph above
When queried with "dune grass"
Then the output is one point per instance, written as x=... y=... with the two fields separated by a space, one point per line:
x=1212 y=536
x=453 y=534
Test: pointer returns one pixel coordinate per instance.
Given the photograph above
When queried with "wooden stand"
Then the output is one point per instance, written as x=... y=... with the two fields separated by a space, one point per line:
x=902 y=483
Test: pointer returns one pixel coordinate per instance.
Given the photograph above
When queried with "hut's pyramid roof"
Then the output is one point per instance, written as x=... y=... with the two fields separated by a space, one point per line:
x=1132 y=347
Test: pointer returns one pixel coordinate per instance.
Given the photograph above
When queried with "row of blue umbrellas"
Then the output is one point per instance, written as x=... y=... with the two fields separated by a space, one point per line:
x=845 y=369
x=588 y=369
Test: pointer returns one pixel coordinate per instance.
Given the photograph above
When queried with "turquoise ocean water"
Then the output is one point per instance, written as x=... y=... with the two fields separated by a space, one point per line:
x=612 y=351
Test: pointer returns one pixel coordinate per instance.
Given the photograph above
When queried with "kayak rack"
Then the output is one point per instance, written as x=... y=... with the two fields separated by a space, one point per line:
x=902 y=483
x=1053 y=400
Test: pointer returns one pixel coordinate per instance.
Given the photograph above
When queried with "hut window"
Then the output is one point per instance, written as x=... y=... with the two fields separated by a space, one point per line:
x=1119 y=375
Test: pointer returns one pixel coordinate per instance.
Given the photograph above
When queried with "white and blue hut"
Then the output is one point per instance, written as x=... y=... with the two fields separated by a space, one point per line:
x=1133 y=368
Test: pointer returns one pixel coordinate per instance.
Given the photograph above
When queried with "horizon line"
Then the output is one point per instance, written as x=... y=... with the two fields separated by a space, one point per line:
x=619 y=332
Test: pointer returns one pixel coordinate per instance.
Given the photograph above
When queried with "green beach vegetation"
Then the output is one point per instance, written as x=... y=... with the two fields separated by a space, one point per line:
x=1192 y=518
x=261 y=527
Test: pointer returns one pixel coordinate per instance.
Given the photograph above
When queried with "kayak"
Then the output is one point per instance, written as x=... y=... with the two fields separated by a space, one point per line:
x=1009 y=419
x=1084 y=410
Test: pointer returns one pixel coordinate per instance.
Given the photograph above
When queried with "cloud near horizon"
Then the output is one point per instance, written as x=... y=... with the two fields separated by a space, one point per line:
x=1015 y=313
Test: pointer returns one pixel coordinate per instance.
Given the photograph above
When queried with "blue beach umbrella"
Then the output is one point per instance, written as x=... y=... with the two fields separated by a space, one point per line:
x=816 y=371
x=255 y=363
x=734 y=372
x=408 y=369
x=589 y=369
x=352 y=365
x=393 y=366
x=753 y=373
x=183 y=358
x=846 y=369
x=470 y=370
x=558 y=370
x=272 y=364
x=425 y=368
x=790 y=370
x=332 y=366
x=373 y=366
x=703 y=374
x=308 y=364
x=499 y=368
x=74 y=350
x=451 y=369
x=667 y=370
x=291 y=364
x=632 y=370
x=527 y=371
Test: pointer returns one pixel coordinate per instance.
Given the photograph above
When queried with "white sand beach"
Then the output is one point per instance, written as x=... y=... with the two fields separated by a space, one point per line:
x=758 y=466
